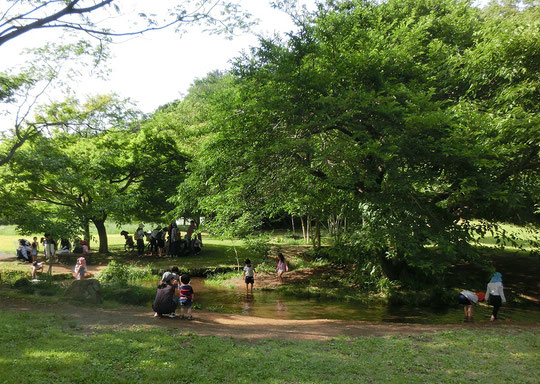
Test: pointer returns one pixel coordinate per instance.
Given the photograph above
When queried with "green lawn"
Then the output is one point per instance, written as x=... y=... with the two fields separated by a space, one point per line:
x=49 y=348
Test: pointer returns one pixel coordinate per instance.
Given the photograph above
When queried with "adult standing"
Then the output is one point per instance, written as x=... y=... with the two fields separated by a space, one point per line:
x=174 y=238
x=161 y=241
x=50 y=250
x=139 y=236
x=154 y=235
x=189 y=235
x=495 y=294
x=50 y=247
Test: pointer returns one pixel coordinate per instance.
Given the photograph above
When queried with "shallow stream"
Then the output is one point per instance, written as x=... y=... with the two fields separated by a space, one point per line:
x=270 y=304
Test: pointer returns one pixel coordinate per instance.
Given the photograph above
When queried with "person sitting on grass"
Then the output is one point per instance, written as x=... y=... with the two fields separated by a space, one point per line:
x=468 y=299
x=80 y=268
x=65 y=246
x=167 y=295
x=249 y=275
x=186 y=297
x=36 y=266
x=24 y=252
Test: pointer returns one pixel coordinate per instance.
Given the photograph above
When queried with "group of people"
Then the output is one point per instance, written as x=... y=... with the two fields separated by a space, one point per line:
x=494 y=296
x=27 y=252
x=175 y=291
x=164 y=241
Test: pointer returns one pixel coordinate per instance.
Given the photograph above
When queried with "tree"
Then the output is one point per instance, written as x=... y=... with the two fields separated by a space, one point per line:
x=97 y=165
x=100 y=20
x=88 y=16
x=372 y=107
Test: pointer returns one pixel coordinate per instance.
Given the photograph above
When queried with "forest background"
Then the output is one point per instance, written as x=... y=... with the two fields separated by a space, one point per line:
x=402 y=129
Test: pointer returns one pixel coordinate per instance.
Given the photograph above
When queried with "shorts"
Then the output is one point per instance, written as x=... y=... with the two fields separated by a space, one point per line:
x=186 y=303
x=250 y=280
x=463 y=300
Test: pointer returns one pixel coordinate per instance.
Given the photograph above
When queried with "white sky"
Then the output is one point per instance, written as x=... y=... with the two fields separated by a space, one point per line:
x=158 y=67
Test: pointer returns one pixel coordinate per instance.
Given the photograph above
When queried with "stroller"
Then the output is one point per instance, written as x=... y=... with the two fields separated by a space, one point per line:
x=130 y=244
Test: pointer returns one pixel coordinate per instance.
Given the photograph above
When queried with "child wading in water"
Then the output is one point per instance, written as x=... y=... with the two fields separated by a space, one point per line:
x=248 y=274
x=281 y=267
x=186 y=297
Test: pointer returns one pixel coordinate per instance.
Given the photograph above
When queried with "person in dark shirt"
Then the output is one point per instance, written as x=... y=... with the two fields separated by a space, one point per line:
x=167 y=291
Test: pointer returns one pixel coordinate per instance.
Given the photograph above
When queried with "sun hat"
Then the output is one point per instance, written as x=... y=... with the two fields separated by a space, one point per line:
x=167 y=276
x=497 y=278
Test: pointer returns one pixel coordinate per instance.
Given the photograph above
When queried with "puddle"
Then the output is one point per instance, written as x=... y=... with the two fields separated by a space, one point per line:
x=275 y=305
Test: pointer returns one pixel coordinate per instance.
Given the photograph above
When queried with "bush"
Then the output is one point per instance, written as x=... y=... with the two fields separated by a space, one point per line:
x=11 y=277
x=23 y=285
x=122 y=274
x=132 y=295
x=258 y=246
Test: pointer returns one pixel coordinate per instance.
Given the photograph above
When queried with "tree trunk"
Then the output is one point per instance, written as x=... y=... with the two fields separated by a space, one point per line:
x=393 y=269
x=293 y=229
x=318 y=233
x=308 y=229
x=198 y=223
x=303 y=228
x=86 y=234
x=102 y=233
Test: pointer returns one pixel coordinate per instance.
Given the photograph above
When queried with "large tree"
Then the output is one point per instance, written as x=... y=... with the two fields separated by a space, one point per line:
x=401 y=111
x=98 y=164
x=88 y=25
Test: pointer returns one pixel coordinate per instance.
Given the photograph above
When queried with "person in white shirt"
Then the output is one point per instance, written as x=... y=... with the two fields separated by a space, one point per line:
x=469 y=300
x=248 y=275
x=495 y=294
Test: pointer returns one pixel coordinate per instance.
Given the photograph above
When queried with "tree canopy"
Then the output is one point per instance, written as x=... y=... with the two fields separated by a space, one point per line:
x=412 y=118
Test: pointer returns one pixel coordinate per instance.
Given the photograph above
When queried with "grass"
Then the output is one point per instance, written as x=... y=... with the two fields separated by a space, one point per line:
x=519 y=237
x=54 y=348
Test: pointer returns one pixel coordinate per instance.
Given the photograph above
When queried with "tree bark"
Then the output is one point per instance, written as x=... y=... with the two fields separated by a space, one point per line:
x=318 y=234
x=86 y=235
x=102 y=234
x=392 y=268
x=303 y=228
x=308 y=229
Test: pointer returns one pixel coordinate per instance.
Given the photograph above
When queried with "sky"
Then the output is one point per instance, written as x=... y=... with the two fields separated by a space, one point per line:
x=157 y=67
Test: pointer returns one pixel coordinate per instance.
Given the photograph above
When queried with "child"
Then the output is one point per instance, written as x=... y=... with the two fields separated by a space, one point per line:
x=281 y=267
x=468 y=299
x=35 y=247
x=495 y=294
x=36 y=267
x=80 y=268
x=186 y=297
x=197 y=245
x=248 y=274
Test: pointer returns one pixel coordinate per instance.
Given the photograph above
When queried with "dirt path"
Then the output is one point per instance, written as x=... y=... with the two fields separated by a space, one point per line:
x=237 y=326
